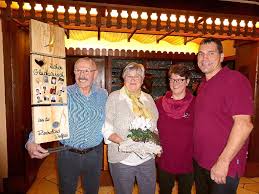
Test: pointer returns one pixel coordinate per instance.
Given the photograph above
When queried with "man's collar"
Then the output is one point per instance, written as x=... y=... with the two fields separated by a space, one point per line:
x=92 y=89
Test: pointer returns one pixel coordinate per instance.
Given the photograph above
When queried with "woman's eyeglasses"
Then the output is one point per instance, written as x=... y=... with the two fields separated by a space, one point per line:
x=176 y=81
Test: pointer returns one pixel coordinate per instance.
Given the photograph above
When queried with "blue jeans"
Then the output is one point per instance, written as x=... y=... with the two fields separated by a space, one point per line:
x=205 y=185
x=72 y=165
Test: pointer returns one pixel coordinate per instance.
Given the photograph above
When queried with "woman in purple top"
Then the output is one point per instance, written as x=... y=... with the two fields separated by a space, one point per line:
x=175 y=126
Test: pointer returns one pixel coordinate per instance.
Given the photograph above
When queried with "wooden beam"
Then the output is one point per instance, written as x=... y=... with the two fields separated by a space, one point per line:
x=186 y=40
x=241 y=43
x=132 y=33
x=65 y=30
x=99 y=33
x=165 y=35
x=199 y=20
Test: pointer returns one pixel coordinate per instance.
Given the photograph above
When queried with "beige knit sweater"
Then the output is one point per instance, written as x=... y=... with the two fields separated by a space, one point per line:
x=119 y=115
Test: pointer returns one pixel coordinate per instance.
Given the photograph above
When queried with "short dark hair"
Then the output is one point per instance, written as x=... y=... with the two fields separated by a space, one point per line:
x=179 y=69
x=216 y=41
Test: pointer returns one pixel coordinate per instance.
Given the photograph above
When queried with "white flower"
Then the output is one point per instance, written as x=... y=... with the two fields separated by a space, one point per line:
x=141 y=123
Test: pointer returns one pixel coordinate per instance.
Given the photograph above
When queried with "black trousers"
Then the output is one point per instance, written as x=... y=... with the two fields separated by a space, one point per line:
x=205 y=185
x=72 y=165
x=166 y=182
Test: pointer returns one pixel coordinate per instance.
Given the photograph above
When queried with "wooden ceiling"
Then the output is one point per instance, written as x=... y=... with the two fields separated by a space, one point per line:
x=239 y=7
x=131 y=19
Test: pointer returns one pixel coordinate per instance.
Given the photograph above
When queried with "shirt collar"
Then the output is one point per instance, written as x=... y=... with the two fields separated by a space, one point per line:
x=92 y=90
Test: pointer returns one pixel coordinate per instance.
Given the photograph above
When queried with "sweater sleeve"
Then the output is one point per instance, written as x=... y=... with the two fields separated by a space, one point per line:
x=108 y=128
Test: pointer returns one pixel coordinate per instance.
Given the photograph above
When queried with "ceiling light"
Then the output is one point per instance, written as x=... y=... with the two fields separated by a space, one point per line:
x=191 y=19
x=38 y=7
x=72 y=10
x=173 y=18
x=209 y=21
x=250 y=24
x=163 y=17
x=182 y=18
x=217 y=21
x=124 y=14
x=82 y=11
x=61 y=9
x=26 y=6
x=49 y=8
x=234 y=23
x=225 y=22
x=134 y=15
x=153 y=16
x=114 y=13
x=93 y=12
x=242 y=23
x=144 y=15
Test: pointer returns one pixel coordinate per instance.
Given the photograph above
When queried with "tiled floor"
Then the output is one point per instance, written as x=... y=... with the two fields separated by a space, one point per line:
x=46 y=182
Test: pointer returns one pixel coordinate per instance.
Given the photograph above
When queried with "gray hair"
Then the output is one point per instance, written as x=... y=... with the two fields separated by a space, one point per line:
x=85 y=60
x=139 y=68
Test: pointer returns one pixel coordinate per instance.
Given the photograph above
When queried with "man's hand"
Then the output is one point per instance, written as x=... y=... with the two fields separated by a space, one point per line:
x=238 y=136
x=36 y=151
x=219 y=171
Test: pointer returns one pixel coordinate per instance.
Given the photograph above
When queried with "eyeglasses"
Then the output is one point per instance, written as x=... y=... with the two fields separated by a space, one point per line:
x=133 y=77
x=176 y=81
x=86 y=71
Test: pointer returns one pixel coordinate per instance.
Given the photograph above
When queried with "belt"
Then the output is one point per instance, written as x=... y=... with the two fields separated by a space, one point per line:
x=81 y=151
x=84 y=151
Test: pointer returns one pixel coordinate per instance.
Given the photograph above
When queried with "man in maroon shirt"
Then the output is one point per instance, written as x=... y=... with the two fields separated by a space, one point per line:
x=222 y=123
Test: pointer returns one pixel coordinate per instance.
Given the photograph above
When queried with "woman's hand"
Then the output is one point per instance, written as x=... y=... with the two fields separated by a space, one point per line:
x=115 y=138
x=159 y=154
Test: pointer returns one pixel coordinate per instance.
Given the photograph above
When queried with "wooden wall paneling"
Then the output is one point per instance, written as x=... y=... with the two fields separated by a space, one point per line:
x=108 y=74
x=3 y=131
x=21 y=170
x=70 y=61
x=249 y=67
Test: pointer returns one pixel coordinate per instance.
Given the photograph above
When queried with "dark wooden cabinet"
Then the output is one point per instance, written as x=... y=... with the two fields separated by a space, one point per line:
x=156 y=74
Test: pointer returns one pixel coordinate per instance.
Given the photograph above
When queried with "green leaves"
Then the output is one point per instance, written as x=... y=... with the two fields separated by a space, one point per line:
x=139 y=135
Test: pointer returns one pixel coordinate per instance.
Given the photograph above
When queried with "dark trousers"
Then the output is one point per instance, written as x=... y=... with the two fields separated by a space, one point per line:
x=73 y=165
x=124 y=177
x=166 y=182
x=205 y=185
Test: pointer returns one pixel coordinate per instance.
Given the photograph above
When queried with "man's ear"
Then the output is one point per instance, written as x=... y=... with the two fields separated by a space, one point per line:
x=187 y=81
x=95 y=74
x=221 y=57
